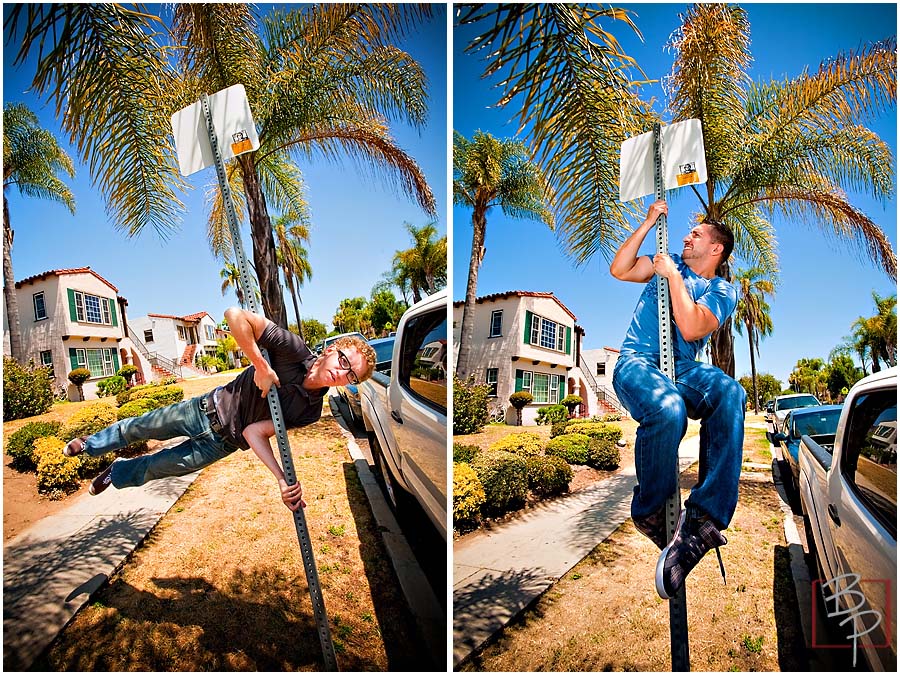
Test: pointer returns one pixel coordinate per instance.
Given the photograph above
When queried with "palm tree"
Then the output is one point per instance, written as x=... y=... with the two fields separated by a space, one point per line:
x=424 y=266
x=874 y=336
x=231 y=278
x=32 y=160
x=488 y=172
x=323 y=81
x=753 y=312
x=293 y=258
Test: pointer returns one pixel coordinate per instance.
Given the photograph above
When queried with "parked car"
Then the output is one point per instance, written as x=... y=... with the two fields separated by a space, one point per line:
x=320 y=346
x=814 y=421
x=405 y=412
x=384 y=348
x=848 y=487
x=780 y=408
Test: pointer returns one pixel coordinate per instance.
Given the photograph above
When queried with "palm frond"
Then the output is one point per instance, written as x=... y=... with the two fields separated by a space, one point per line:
x=218 y=231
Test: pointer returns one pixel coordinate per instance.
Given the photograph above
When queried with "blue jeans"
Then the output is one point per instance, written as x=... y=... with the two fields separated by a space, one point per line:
x=202 y=447
x=662 y=407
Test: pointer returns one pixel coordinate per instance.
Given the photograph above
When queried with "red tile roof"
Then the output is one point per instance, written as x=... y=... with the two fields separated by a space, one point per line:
x=188 y=318
x=506 y=294
x=57 y=273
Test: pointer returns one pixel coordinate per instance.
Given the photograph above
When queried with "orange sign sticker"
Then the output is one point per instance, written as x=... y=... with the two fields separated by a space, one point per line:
x=687 y=178
x=241 y=146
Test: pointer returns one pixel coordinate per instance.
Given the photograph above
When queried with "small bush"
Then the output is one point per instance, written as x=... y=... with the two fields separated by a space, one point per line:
x=552 y=413
x=526 y=444
x=603 y=453
x=20 y=445
x=504 y=477
x=465 y=453
x=519 y=400
x=138 y=406
x=595 y=430
x=166 y=395
x=548 y=475
x=127 y=371
x=559 y=428
x=111 y=386
x=166 y=381
x=27 y=390
x=468 y=495
x=470 y=406
x=612 y=417
x=571 y=402
x=89 y=420
x=55 y=471
x=573 y=448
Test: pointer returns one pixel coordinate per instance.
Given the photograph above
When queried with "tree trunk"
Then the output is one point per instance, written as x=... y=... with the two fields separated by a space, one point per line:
x=264 y=257
x=289 y=280
x=9 y=291
x=753 y=370
x=722 y=339
x=467 y=326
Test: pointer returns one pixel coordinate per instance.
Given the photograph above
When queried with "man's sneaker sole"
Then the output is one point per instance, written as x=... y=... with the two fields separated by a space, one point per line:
x=101 y=481
x=661 y=561
x=74 y=447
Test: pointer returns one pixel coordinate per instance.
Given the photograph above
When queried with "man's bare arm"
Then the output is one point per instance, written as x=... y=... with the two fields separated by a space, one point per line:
x=694 y=321
x=626 y=265
x=247 y=327
x=258 y=435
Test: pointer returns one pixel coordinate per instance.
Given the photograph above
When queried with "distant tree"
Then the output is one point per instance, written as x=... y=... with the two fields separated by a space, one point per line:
x=842 y=374
x=351 y=316
x=313 y=331
x=809 y=376
x=384 y=311
x=753 y=313
x=424 y=266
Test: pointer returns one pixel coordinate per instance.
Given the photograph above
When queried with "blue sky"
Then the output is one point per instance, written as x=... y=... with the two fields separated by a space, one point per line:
x=357 y=221
x=823 y=287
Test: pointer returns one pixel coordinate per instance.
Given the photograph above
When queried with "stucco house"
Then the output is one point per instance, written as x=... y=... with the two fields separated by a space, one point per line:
x=175 y=342
x=529 y=341
x=74 y=318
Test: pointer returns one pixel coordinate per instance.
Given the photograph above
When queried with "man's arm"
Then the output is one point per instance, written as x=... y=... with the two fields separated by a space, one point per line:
x=258 y=435
x=626 y=266
x=247 y=327
x=694 y=321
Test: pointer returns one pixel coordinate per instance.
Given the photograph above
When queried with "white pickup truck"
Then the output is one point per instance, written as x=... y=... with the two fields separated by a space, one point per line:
x=404 y=411
x=848 y=487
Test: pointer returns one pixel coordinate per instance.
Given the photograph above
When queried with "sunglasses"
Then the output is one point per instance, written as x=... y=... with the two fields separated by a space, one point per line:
x=344 y=363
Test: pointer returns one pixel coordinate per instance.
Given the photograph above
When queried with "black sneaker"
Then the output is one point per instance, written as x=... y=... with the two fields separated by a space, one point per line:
x=101 y=481
x=654 y=527
x=690 y=543
x=74 y=447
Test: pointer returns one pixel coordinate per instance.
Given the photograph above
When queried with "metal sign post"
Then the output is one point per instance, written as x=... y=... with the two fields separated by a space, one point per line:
x=678 y=633
x=287 y=463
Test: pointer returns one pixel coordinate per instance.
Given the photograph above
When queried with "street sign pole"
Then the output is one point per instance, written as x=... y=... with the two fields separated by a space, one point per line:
x=678 y=633
x=287 y=462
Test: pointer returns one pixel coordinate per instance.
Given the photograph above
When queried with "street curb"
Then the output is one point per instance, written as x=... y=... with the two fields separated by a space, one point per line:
x=429 y=618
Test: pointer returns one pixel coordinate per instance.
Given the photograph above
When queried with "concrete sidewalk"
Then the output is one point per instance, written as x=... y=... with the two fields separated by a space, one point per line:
x=51 y=569
x=498 y=573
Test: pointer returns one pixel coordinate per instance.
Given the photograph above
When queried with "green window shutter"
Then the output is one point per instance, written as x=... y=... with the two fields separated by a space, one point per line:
x=527 y=328
x=562 y=388
x=568 y=340
x=518 y=380
x=115 y=355
x=72 y=313
x=73 y=356
x=112 y=313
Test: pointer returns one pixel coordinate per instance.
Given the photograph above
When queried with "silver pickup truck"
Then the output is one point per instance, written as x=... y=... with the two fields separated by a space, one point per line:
x=404 y=411
x=848 y=487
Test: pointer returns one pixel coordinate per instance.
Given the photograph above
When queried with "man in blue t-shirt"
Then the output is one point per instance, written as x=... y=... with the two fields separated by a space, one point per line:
x=701 y=302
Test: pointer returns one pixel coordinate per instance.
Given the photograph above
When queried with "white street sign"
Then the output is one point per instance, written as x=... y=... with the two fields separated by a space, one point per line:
x=684 y=161
x=232 y=121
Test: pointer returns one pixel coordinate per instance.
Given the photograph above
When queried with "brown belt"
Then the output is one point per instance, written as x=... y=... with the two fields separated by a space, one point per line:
x=208 y=408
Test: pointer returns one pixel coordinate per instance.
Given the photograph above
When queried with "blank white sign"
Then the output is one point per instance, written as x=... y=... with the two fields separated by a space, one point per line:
x=233 y=124
x=684 y=160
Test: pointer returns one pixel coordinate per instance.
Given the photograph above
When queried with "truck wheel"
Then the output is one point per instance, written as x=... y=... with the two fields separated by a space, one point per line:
x=383 y=473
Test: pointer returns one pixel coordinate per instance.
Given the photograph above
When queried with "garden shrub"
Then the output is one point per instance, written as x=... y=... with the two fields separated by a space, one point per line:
x=166 y=395
x=525 y=444
x=127 y=371
x=55 y=471
x=612 y=417
x=504 y=477
x=552 y=413
x=20 y=445
x=89 y=420
x=171 y=379
x=78 y=377
x=465 y=453
x=603 y=453
x=137 y=407
x=470 y=406
x=468 y=495
x=518 y=400
x=571 y=402
x=548 y=475
x=573 y=448
x=111 y=386
x=595 y=430
x=27 y=390
x=559 y=428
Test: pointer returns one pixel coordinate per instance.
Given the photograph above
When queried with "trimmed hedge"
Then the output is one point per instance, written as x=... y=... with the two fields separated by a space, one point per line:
x=55 y=471
x=525 y=444
x=595 y=430
x=548 y=475
x=468 y=495
x=89 y=420
x=559 y=428
x=573 y=448
x=165 y=395
x=20 y=445
x=504 y=477
x=470 y=406
x=111 y=386
x=27 y=390
x=465 y=453
x=551 y=414
x=603 y=453
x=139 y=406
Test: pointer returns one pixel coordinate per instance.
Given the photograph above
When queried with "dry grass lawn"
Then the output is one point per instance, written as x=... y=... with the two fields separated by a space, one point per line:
x=605 y=613
x=219 y=583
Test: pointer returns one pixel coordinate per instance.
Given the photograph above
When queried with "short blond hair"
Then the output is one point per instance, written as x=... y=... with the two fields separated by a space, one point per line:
x=361 y=346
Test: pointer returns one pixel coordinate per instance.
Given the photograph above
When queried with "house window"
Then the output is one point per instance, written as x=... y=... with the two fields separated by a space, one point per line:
x=548 y=334
x=182 y=333
x=526 y=380
x=496 y=322
x=47 y=360
x=544 y=387
x=490 y=377
x=601 y=368
x=91 y=308
x=541 y=388
x=98 y=361
x=148 y=335
x=210 y=333
x=40 y=310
